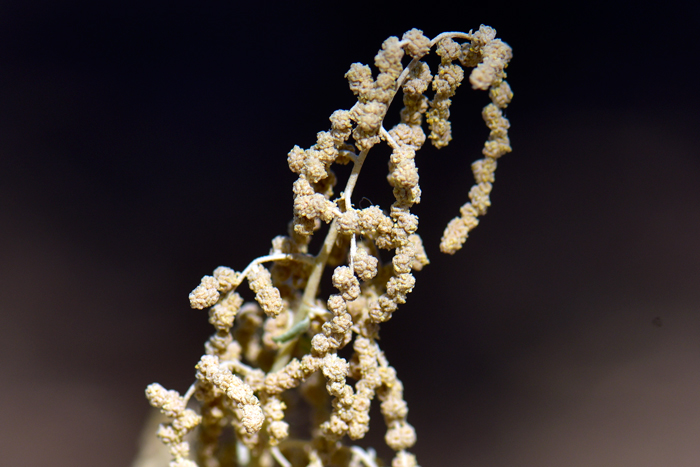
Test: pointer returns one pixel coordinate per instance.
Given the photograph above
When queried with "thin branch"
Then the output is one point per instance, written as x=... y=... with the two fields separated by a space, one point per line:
x=279 y=457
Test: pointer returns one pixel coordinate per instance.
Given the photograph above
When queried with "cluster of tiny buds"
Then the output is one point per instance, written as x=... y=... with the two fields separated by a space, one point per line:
x=289 y=336
x=490 y=56
x=241 y=394
x=184 y=420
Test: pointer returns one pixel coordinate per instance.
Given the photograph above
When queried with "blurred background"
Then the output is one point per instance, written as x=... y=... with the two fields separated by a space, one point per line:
x=143 y=144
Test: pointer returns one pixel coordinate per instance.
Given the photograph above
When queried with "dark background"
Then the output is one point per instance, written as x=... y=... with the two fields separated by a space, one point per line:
x=143 y=144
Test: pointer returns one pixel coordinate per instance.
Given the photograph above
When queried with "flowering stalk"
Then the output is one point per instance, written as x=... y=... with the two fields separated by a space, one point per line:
x=289 y=337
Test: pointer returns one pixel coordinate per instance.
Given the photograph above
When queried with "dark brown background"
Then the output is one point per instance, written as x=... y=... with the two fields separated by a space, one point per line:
x=142 y=144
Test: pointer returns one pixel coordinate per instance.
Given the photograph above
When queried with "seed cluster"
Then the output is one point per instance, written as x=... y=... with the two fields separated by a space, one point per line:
x=290 y=336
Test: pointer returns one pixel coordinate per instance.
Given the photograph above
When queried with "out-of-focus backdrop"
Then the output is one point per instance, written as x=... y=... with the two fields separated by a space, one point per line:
x=143 y=144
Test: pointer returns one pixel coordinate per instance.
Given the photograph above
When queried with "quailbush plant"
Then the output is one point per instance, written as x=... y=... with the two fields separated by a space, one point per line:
x=288 y=339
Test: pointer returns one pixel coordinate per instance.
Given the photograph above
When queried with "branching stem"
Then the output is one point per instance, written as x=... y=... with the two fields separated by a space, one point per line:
x=285 y=352
x=307 y=301
x=277 y=257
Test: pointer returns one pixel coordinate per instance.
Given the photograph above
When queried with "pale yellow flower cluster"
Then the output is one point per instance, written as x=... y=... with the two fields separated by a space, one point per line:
x=490 y=56
x=239 y=393
x=292 y=337
x=184 y=420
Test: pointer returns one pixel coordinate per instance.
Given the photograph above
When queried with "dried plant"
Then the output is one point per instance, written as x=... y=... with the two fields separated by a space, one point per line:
x=289 y=337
